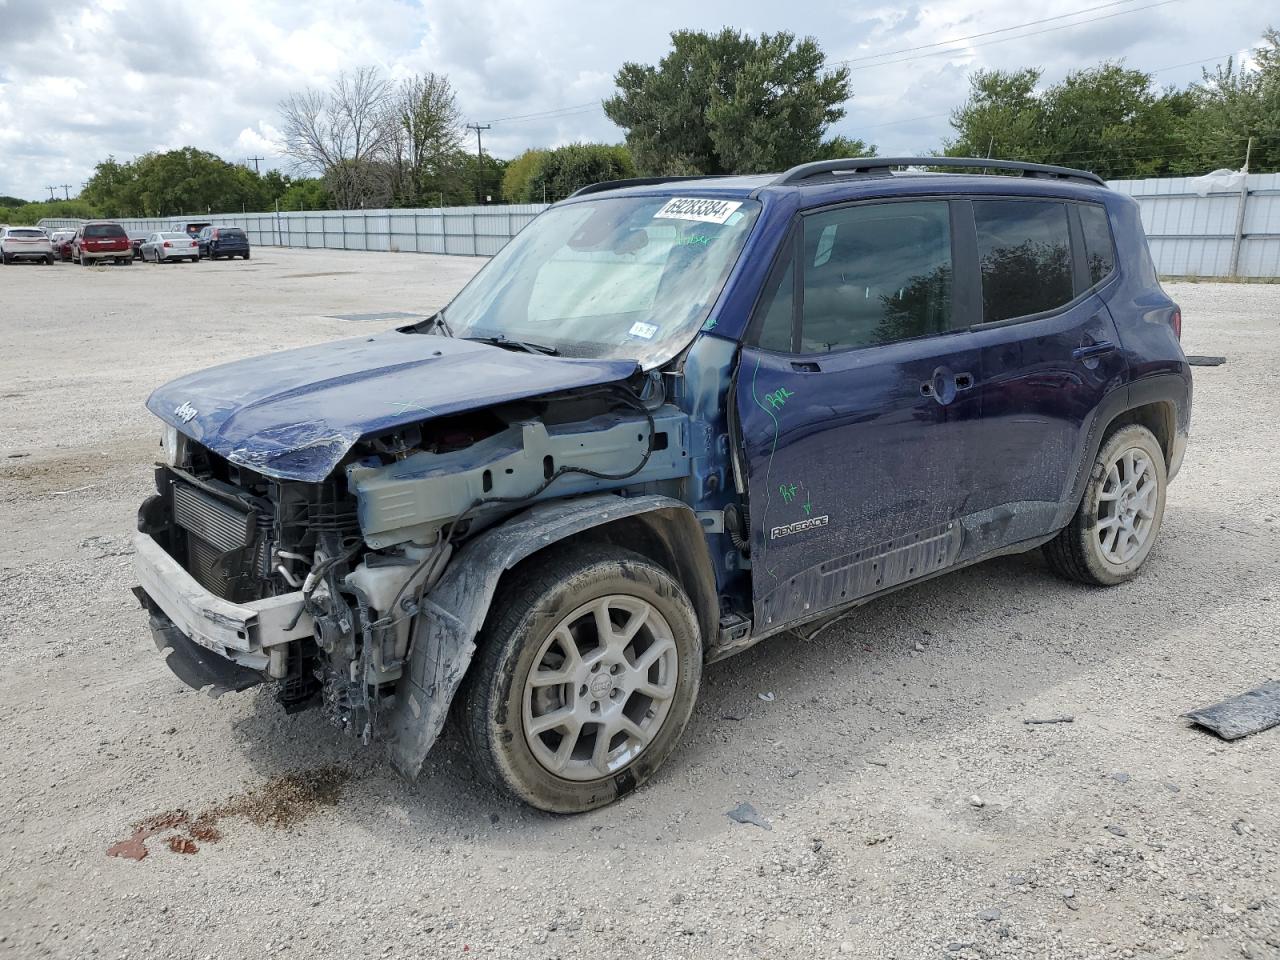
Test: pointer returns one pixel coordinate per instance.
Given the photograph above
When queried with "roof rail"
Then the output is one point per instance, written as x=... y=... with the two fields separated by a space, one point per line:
x=604 y=185
x=882 y=166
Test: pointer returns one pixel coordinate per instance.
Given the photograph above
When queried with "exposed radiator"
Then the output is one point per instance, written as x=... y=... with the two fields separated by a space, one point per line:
x=216 y=523
x=215 y=530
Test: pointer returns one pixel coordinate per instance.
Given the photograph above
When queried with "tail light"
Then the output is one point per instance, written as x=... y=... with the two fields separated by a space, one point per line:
x=1176 y=322
x=167 y=244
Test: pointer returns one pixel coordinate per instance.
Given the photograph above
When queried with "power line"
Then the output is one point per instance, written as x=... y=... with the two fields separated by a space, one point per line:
x=544 y=113
x=477 y=127
x=975 y=36
x=1021 y=36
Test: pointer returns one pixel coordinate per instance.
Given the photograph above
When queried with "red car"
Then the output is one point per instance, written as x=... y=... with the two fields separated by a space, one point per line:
x=101 y=240
x=62 y=243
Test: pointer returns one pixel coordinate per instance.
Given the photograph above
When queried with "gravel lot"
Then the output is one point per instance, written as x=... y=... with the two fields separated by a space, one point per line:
x=912 y=812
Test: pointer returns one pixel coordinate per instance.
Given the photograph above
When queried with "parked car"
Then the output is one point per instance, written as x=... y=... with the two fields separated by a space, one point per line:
x=99 y=240
x=218 y=242
x=161 y=247
x=669 y=419
x=25 y=243
x=61 y=241
x=136 y=239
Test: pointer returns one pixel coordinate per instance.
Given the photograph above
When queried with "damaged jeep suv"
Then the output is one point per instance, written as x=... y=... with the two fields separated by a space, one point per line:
x=669 y=419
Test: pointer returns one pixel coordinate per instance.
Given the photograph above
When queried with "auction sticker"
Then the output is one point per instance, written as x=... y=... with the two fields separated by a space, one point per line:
x=644 y=331
x=703 y=211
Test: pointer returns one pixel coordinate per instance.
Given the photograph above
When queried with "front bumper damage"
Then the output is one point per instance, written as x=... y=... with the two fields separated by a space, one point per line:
x=214 y=644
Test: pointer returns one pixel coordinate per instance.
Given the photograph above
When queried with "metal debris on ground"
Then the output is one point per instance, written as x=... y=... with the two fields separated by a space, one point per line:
x=1198 y=361
x=1035 y=721
x=1250 y=712
x=767 y=697
x=746 y=813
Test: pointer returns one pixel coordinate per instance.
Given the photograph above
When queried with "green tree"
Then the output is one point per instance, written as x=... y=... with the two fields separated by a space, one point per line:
x=175 y=182
x=561 y=171
x=1105 y=118
x=515 y=182
x=728 y=103
x=426 y=133
x=305 y=193
x=1230 y=105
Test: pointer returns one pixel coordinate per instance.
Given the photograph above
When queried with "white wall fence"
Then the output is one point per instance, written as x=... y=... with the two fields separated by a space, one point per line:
x=465 y=231
x=1225 y=233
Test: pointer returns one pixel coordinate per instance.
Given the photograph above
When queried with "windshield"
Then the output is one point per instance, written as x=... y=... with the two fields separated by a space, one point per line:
x=622 y=278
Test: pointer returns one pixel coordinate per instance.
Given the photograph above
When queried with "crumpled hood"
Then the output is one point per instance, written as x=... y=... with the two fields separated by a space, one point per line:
x=295 y=414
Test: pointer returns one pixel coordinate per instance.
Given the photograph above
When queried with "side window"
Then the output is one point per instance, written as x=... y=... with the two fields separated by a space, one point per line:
x=1098 y=251
x=876 y=274
x=778 y=307
x=1024 y=249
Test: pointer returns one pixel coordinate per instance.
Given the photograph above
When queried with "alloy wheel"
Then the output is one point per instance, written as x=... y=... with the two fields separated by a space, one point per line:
x=1127 y=505
x=600 y=687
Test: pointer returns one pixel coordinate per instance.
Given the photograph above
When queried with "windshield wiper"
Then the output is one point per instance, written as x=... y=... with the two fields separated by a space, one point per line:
x=498 y=340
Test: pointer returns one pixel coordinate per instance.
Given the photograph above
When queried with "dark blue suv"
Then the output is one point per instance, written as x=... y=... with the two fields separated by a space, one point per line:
x=671 y=418
x=215 y=242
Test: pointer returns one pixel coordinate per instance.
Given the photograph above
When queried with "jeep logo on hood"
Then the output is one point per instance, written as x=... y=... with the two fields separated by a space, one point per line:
x=186 y=413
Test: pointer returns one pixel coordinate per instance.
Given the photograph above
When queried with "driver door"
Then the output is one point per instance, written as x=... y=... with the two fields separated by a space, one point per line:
x=855 y=396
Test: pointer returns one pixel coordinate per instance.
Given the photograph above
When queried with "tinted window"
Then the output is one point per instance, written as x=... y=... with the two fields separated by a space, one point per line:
x=34 y=234
x=231 y=234
x=105 y=230
x=1024 y=247
x=875 y=274
x=778 y=307
x=1097 y=241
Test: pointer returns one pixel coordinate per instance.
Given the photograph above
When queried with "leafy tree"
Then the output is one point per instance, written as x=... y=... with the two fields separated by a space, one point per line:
x=426 y=136
x=838 y=148
x=1002 y=117
x=515 y=182
x=728 y=103
x=178 y=181
x=559 y=172
x=29 y=214
x=9 y=203
x=306 y=194
x=1230 y=105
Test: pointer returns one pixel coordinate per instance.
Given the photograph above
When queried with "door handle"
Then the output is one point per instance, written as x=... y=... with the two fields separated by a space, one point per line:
x=1099 y=349
x=805 y=366
x=939 y=386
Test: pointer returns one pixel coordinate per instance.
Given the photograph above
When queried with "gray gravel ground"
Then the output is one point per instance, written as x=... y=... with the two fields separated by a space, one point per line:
x=912 y=811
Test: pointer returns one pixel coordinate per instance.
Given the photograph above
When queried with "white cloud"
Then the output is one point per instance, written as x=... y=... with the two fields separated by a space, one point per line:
x=121 y=78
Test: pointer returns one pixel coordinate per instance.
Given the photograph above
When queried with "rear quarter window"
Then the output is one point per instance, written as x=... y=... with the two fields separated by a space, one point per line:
x=1024 y=250
x=1100 y=254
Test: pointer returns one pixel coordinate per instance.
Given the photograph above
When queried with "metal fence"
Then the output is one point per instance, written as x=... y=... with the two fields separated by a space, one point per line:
x=465 y=231
x=1221 y=234
x=1224 y=233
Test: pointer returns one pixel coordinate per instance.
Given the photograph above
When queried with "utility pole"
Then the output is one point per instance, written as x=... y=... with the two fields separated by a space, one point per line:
x=66 y=190
x=1237 y=240
x=255 y=164
x=52 y=195
x=477 y=127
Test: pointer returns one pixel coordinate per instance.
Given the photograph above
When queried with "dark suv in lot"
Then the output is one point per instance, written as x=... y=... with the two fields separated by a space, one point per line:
x=671 y=418
x=218 y=242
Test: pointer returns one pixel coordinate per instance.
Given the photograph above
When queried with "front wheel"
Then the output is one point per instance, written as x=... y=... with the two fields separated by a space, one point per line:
x=584 y=680
x=1119 y=517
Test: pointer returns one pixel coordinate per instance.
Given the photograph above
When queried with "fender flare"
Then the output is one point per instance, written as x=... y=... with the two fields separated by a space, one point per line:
x=454 y=611
x=1171 y=388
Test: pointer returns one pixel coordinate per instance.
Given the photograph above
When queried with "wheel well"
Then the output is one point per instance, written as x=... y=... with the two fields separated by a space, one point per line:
x=670 y=538
x=1157 y=417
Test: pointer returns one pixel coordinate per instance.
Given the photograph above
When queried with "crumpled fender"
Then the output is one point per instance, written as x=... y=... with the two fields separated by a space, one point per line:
x=452 y=614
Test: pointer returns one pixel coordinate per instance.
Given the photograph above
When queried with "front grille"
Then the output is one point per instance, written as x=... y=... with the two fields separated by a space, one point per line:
x=216 y=523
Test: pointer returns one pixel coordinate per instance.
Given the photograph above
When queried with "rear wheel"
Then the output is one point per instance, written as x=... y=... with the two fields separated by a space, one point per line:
x=246 y=256
x=585 y=678
x=1119 y=517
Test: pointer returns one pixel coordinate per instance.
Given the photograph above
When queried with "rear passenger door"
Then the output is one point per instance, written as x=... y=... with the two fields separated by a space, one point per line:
x=855 y=400
x=1049 y=355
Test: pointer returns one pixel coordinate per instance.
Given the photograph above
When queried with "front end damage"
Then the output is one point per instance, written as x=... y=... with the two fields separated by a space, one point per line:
x=361 y=594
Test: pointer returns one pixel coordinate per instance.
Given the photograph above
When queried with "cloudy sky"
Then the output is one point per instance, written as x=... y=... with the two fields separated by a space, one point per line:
x=79 y=82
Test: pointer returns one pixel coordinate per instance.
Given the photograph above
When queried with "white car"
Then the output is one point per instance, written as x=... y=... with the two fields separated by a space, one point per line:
x=25 y=243
x=163 y=246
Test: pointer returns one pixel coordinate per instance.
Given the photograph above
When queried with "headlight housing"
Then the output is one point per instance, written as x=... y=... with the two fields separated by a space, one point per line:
x=174 y=445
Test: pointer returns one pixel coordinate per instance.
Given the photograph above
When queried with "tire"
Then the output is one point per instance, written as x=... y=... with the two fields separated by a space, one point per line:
x=527 y=628
x=1125 y=493
x=4 y=258
x=246 y=256
x=48 y=261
